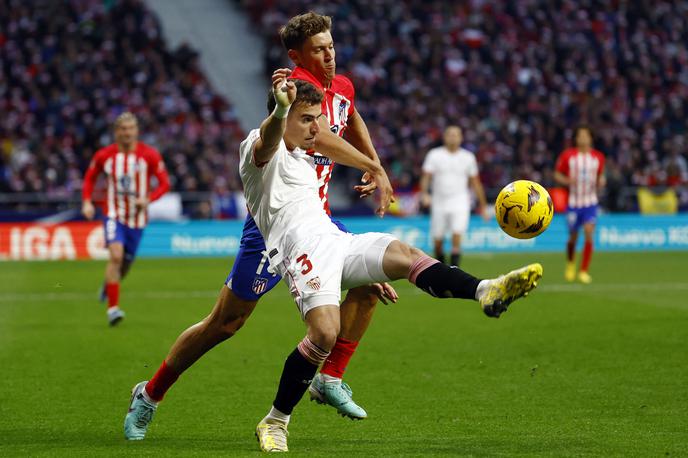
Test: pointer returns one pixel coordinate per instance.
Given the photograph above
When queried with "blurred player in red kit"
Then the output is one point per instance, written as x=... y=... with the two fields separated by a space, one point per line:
x=129 y=166
x=581 y=170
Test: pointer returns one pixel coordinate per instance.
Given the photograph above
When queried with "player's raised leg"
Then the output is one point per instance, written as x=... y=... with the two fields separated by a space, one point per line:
x=228 y=316
x=439 y=280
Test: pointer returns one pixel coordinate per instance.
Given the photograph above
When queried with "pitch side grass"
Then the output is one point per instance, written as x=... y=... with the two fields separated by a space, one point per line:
x=572 y=370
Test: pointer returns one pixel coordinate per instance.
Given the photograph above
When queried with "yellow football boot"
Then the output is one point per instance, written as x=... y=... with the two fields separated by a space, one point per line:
x=272 y=436
x=584 y=277
x=505 y=289
x=570 y=272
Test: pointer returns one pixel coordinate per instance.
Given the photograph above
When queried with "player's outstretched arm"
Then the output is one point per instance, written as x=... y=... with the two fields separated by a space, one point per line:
x=358 y=135
x=273 y=127
x=340 y=151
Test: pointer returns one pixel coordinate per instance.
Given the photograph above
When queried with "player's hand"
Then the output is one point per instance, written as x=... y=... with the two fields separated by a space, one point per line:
x=88 y=210
x=283 y=89
x=484 y=214
x=385 y=293
x=425 y=200
x=141 y=204
x=386 y=192
x=367 y=188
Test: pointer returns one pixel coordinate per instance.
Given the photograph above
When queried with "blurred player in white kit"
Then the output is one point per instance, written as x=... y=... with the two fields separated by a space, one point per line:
x=450 y=170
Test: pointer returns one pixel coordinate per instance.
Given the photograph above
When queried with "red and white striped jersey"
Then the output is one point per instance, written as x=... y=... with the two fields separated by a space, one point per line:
x=128 y=178
x=584 y=169
x=338 y=105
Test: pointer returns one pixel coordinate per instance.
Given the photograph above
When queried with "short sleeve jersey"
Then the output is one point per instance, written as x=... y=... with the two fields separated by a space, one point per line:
x=584 y=169
x=338 y=106
x=450 y=172
x=285 y=185
x=128 y=178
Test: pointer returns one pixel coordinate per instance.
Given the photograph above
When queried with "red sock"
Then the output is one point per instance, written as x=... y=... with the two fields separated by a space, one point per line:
x=161 y=382
x=336 y=362
x=570 y=251
x=587 y=254
x=112 y=292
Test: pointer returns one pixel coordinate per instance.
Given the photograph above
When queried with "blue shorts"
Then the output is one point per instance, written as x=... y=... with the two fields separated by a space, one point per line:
x=249 y=278
x=127 y=236
x=577 y=217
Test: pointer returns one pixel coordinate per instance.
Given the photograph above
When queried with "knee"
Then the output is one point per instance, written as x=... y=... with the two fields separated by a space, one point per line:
x=415 y=253
x=409 y=253
x=232 y=325
x=219 y=330
x=117 y=256
x=324 y=336
x=226 y=319
x=399 y=258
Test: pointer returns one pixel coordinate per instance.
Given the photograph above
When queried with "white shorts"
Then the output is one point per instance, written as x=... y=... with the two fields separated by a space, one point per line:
x=318 y=267
x=449 y=217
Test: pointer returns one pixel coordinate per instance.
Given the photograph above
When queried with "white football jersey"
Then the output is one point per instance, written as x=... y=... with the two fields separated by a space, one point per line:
x=282 y=195
x=450 y=173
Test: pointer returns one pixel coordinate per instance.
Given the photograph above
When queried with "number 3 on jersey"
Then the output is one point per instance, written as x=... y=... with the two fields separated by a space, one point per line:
x=305 y=263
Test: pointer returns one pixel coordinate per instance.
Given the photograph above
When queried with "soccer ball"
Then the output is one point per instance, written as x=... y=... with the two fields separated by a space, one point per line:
x=524 y=209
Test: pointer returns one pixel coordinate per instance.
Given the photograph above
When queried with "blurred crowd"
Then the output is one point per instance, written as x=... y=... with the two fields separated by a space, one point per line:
x=68 y=68
x=517 y=76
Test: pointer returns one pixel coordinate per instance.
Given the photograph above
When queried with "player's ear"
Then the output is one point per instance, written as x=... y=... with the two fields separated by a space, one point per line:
x=295 y=56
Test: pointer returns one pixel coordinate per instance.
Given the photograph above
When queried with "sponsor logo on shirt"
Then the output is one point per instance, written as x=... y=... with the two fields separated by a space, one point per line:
x=321 y=160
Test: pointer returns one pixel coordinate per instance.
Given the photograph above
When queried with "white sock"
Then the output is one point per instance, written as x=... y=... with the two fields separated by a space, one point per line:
x=147 y=397
x=480 y=290
x=330 y=379
x=275 y=414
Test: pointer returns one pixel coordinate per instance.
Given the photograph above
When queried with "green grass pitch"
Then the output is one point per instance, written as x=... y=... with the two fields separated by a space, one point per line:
x=572 y=370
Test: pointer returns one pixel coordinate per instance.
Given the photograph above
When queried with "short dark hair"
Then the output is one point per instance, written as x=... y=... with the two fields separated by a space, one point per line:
x=578 y=129
x=302 y=27
x=306 y=94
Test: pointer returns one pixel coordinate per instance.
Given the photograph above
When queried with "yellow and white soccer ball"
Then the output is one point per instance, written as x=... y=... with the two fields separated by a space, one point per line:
x=524 y=209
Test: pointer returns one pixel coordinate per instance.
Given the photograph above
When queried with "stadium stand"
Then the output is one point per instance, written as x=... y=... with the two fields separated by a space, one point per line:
x=68 y=68
x=518 y=76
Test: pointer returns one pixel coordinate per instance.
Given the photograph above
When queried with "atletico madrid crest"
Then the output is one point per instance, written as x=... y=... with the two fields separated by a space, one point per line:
x=259 y=285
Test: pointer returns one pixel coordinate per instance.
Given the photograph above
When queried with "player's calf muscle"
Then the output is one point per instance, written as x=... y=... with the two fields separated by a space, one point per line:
x=230 y=314
x=363 y=296
x=398 y=259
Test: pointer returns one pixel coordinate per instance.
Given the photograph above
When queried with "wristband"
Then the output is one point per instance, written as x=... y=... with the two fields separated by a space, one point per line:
x=280 y=112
